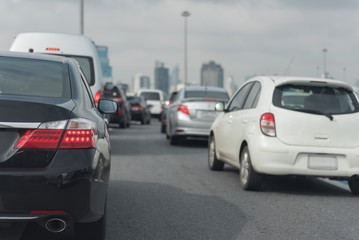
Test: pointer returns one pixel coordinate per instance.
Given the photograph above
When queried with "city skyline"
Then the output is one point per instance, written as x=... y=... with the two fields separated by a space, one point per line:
x=269 y=37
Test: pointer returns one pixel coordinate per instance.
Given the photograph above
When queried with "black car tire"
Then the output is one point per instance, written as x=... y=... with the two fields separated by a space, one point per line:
x=163 y=128
x=249 y=179
x=143 y=120
x=354 y=186
x=174 y=140
x=213 y=162
x=92 y=231
x=123 y=125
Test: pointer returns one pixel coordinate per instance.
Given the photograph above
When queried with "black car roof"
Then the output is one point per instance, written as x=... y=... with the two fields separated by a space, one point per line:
x=35 y=56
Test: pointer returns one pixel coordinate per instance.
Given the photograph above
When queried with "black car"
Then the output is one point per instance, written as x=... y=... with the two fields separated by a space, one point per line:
x=118 y=94
x=54 y=146
x=139 y=109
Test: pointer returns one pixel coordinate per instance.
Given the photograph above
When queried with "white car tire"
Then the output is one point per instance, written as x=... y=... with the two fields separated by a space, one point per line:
x=213 y=162
x=249 y=179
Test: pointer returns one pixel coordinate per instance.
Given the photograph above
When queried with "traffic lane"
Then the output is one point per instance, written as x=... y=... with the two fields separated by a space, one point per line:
x=145 y=210
x=286 y=208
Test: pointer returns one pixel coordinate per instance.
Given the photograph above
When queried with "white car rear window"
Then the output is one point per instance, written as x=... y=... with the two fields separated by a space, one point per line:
x=323 y=99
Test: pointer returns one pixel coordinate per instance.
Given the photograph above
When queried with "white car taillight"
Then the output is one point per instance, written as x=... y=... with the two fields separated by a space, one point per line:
x=80 y=133
x=267 y=124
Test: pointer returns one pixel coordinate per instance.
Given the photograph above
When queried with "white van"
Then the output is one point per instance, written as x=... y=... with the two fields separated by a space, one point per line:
x=156 y=98
x=79 y=47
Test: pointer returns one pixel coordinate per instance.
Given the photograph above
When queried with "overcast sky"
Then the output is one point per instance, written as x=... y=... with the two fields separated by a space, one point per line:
x=247 y=37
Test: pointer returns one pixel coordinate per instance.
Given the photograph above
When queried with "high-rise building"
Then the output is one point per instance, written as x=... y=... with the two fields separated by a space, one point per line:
x=212 y=74
x=162 y=78
x=140 y=81
x=106 y=69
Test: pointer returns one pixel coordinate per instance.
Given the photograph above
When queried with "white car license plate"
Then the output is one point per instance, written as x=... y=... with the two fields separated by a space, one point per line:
x=322 y=162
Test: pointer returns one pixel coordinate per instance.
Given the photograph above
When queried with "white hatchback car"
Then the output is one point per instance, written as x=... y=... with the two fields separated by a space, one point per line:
x=288 y=126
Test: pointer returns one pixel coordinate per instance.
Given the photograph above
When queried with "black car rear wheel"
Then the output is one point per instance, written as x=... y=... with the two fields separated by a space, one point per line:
x=354 y=186
x=91 y=231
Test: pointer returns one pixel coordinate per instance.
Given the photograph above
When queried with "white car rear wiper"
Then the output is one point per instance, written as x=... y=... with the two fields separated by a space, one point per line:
x=330 y=116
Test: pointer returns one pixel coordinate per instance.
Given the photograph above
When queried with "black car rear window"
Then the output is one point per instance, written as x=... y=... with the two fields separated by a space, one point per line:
x=206 y=94
x=134 y=99
x=326 y=99
x=151 y=95
x=32 y=77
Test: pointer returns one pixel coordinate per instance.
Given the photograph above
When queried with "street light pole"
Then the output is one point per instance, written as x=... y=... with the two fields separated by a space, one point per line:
x=324 y=69
x=82 y=17
x=185 y=14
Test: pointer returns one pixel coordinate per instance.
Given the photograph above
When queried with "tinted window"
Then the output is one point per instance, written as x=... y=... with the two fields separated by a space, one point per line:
x=315 y=98
x=252 y=98
x=238 y=100
x=86 y=64
x=134 y=100
x=151 y=95
x=31 y=77
x=206 y=94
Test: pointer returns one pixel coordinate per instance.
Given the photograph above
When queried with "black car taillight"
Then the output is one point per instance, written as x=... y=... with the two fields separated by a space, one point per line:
x=79 y=133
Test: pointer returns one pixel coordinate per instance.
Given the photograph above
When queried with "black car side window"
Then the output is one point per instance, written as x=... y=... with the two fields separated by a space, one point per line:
x=238 y=101
x=253 y=96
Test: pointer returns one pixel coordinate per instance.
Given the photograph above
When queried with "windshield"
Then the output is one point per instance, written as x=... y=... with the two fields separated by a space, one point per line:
x=31 y=77
x=321 y=99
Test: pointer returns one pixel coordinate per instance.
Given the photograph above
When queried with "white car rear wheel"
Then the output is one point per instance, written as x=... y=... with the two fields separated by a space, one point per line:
x=249 y=179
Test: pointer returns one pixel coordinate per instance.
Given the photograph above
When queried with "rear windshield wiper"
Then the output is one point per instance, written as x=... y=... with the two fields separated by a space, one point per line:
x=330 y=116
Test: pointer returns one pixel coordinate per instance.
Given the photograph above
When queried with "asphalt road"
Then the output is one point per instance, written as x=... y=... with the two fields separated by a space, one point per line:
x=158 y=191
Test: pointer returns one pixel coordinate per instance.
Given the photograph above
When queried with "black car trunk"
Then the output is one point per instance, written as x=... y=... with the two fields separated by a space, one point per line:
x=19 y=116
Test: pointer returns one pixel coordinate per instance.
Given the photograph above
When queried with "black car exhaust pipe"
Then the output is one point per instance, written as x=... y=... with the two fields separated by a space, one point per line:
x=55 y=225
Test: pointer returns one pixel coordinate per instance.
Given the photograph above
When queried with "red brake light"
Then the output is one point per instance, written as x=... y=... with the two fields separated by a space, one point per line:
x=118 y=100
x=267 y=124
x=47 y=212
x=52 y=49
x=137 y=107
x=40 y=138
x=183 y=108
x=119 y=112
x=80 y=133
x=78 y=139
x=97 y=96
x=209 y=100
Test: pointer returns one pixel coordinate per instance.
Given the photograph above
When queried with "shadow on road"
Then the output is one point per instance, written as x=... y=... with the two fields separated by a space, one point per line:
x=303 y=186
x=155 y=211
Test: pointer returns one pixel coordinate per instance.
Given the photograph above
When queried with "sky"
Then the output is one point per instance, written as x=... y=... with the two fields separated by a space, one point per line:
x=246 y=37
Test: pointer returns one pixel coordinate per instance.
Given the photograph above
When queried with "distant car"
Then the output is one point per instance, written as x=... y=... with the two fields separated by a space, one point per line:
x=193 y=112
x=79 y=47
x=139 y=109
x=165 y=111
x=55 y=148
x=117 y=94
x=156 y=98
x=288 y=126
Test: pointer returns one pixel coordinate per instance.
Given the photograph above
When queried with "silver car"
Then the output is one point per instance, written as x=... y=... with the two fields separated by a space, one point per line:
x=193 y=112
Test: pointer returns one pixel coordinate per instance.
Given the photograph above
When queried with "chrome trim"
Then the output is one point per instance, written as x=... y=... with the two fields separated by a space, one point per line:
x=19 y=218
x=19 y=124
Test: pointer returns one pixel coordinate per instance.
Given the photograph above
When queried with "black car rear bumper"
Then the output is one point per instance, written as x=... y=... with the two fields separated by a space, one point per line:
x=74 y=185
